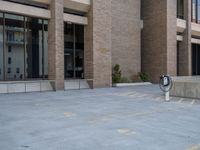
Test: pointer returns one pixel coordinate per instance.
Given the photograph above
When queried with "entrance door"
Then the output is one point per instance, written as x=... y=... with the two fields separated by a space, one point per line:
x=69 y=64
x=196 y=59
x=74 y=51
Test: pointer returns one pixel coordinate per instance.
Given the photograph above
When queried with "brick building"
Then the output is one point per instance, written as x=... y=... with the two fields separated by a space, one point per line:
x=60 y=40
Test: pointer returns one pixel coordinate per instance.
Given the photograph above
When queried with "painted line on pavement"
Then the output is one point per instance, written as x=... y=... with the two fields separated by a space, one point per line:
x=196 y=147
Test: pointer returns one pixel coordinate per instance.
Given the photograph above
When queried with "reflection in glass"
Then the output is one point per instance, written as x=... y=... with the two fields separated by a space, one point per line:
x=23 y=47
x=36 y=48
x=180 y=9
x=69 y=50
x=14 y=46
x=198 y=11
x=33 y=47
x=1 y=48
x=45 y=46
x=194 y=12
x=195 y=59
x=79 y=59
x=74 y=51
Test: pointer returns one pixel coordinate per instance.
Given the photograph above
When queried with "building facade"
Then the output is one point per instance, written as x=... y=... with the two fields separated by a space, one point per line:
x=60 y=40
x=170 y=38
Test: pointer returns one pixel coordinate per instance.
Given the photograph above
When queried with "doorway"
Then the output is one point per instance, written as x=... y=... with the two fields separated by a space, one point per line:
x=74 y=51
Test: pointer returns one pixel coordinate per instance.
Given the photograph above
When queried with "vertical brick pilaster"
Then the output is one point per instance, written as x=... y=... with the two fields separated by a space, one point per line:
x=98 y=44
x=185 y=62
x=159 y=38
x=56 y=44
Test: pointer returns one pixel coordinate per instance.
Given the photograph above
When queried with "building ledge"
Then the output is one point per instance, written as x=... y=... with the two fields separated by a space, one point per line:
x=77 y=5
x=195 y=29
x=21 y=9
x=181 y=25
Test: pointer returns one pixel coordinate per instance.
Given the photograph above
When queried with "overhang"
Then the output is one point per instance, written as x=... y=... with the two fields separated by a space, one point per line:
x=181 y=25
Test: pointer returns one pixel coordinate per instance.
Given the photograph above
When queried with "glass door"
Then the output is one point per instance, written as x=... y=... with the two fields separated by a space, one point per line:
x=79 y=51
x=69 y=50
x=14 y=47
x=74 y=51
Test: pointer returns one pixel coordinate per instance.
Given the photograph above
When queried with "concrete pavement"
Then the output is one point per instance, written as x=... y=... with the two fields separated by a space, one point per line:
x=132 y=118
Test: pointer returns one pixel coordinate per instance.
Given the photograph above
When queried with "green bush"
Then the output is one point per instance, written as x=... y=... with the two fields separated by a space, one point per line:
x=116 y=75
x=143 y=76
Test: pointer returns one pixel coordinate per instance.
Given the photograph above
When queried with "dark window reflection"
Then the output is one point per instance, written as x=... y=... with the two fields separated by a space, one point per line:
x=74 y=51
x=14 y=46
x=26 y=47
x=180 y=9
x=1 y=48
x=196 y=59
x=195 y=13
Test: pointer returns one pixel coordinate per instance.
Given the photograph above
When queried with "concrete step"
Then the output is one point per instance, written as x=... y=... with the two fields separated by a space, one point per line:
x=25 y=86
x=76 y=84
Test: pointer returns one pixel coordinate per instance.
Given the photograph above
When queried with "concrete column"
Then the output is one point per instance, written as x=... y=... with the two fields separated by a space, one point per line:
x=56 y=44
x=171 y=40
x=159 y=38
x=98 y=44
x=185 y=55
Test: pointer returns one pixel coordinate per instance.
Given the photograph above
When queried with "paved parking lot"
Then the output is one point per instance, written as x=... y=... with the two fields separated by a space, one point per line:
x=131 y=118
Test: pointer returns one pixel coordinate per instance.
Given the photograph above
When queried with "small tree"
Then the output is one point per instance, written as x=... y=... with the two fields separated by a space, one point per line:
x=116 y=75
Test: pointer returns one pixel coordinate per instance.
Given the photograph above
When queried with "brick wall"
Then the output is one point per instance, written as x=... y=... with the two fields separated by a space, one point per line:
x=126 y=36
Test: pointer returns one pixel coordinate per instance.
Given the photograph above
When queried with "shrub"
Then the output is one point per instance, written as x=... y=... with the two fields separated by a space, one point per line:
x=116 y=75
x=143 y=76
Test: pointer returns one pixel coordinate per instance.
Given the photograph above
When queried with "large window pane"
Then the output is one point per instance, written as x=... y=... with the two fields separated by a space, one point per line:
x=180 y=9
x=36 y=48
x=45 y=48
x=194 y=11
x=195 y=59
x=79 y=59
x=69 y=50
x=14 y=47
x=198 y=11
x=74 y=51
x=33 y=48
x=1 y=47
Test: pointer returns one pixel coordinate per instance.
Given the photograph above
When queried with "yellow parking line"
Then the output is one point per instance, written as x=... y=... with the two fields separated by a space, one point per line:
x=197 y=147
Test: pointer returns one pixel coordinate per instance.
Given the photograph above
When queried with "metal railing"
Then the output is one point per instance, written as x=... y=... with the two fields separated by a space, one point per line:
x=77 y=84
x=26 y=86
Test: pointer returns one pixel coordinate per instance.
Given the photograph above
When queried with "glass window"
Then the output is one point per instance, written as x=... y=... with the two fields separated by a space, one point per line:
x=74 y=51
x=180 y=9
x=14 y=39
x=195 y=59
x=45 y=42
x=1 y=48
x=36 y=48
x=198 y=11
x=33 y=48
x=23 y=47
x=79 y=59
x=194 y=12
x=9 y=60
x=69 y=50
